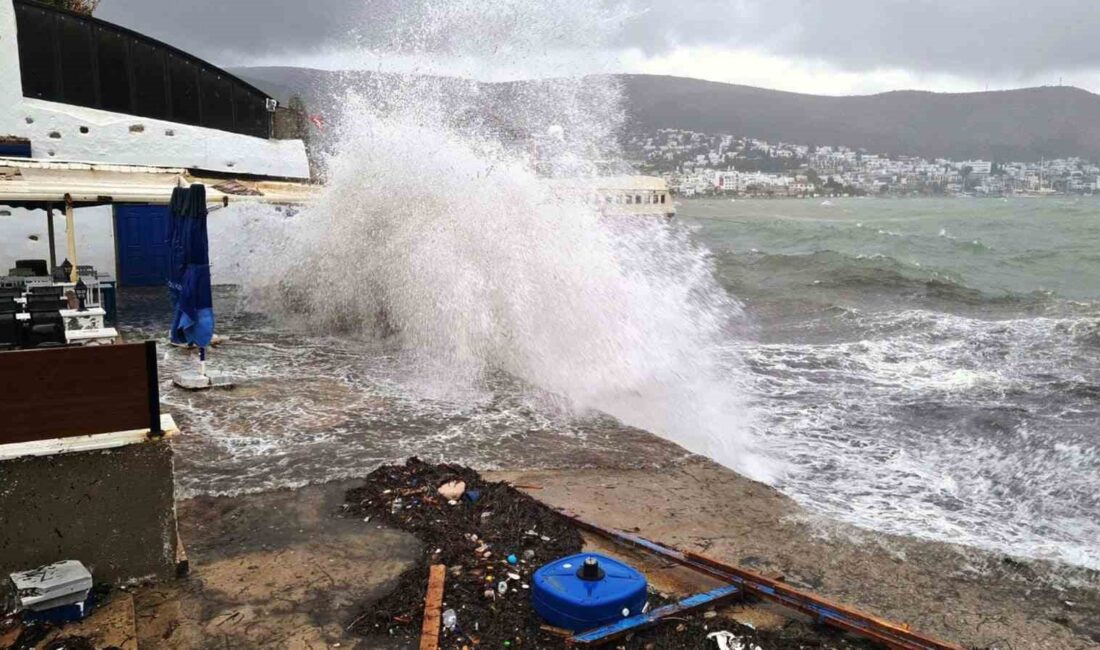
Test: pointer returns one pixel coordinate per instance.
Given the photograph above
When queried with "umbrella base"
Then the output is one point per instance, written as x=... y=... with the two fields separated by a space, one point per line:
x=199 y=381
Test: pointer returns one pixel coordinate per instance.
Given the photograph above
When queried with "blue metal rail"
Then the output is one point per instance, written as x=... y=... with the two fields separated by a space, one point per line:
x=635 y=623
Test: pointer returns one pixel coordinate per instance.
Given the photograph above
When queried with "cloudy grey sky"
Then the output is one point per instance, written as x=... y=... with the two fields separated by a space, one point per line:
x=820 y=46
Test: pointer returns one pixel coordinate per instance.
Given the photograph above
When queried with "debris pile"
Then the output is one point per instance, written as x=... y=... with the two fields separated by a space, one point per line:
x=492 y=538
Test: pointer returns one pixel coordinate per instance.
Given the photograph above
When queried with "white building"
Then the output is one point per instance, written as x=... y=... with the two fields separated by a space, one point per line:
x=76 y=90
x=977 y=167
x=728 y=181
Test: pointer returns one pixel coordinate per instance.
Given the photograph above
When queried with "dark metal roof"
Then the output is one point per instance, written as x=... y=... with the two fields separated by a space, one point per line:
x=142 y=37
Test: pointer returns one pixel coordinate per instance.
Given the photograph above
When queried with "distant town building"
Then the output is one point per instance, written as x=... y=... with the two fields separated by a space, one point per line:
x=695 y=163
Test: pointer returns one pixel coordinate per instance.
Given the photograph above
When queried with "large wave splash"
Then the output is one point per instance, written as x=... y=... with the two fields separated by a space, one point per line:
x=436 y=233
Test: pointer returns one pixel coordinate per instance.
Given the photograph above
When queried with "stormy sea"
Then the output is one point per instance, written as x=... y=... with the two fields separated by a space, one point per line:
x=926 y=367
x=922 y=367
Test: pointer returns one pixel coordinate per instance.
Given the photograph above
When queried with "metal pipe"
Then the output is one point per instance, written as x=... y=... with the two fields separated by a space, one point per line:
x=50 y=237
x=822 y=609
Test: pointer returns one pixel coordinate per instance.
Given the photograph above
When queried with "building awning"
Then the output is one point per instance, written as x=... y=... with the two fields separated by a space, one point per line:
x=24 y=181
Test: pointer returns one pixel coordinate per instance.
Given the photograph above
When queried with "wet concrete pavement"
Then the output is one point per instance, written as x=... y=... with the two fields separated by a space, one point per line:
x=272 y=570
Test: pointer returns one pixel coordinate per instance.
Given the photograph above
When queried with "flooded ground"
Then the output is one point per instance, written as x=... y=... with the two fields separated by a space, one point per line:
x=309 y=409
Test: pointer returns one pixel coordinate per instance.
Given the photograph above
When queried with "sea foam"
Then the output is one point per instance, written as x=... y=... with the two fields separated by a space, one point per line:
x=439 y=232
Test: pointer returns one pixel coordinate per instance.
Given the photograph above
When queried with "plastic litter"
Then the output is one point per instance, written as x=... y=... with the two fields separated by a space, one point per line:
x=512 y=559
x=53 y=585
x=450 y=620
x=728 y=641
x=452 y=490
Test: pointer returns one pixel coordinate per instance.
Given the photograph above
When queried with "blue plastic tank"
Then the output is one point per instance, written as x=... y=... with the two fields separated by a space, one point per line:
x=587 y=590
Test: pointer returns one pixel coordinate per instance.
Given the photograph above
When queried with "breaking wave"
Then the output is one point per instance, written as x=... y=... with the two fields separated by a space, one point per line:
x=943 y=427
x=436 y=235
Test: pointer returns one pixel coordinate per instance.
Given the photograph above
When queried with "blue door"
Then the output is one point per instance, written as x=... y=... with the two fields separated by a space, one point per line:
x=141 y=237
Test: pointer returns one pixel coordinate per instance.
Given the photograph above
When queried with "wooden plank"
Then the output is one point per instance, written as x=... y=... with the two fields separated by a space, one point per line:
x=433 y=603
x=637 y=622
x=70 y=237
x=67 y=392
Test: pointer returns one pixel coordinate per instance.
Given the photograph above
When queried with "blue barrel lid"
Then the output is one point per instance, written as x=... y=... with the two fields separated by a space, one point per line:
x=565 y=598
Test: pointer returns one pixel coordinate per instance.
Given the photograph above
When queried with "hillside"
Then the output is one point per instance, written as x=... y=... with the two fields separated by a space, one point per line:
x=1023 y=124
x=1002 y=125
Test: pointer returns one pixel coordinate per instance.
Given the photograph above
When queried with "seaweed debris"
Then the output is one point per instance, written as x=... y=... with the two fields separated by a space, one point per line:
x=474 y=535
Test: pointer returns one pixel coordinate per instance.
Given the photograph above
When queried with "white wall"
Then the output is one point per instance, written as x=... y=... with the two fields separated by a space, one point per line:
x=232 y=232
x=228 y=230
x=95 y=237
x=114 y=138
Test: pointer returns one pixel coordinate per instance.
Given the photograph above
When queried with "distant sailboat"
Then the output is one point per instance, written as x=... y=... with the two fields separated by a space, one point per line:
x=1041 y=190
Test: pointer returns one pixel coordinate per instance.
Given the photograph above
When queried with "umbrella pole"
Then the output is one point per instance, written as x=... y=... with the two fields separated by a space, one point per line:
x=70 y=228
x=202 y=361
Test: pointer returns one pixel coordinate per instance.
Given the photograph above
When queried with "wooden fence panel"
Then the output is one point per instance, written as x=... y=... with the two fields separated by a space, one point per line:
x=67 y=392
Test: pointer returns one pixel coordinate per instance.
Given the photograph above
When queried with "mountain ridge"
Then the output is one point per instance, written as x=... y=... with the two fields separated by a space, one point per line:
x=1023 y=124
